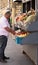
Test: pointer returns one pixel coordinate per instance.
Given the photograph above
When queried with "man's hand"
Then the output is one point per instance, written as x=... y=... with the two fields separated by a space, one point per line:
x=10 y=30
x=13 y=33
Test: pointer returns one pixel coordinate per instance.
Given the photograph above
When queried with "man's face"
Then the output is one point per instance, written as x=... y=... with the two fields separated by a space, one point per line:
x=8 y=15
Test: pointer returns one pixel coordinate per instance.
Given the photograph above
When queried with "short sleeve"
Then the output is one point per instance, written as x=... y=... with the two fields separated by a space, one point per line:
x=4 y=24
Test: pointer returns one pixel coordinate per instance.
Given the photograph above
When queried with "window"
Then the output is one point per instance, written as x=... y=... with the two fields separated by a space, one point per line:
x=28 y=5
x=33 y=4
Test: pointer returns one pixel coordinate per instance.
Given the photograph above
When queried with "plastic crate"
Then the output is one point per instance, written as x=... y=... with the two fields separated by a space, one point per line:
x=19 y=40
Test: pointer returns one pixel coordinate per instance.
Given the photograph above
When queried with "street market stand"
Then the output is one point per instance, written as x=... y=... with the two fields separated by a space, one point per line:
x=30 y=42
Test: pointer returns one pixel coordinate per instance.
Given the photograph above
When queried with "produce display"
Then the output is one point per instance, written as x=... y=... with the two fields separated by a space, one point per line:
x=22 y=20
x=22 y=34
x=30 y=16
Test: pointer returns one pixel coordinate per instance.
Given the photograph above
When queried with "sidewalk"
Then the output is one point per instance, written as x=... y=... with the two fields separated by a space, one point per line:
x=14 y=51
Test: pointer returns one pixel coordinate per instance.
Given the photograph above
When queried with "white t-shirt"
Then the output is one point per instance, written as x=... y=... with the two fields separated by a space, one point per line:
x=4 y=23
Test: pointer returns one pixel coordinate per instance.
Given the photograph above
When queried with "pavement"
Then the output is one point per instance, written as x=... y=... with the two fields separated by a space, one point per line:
x=14 y=51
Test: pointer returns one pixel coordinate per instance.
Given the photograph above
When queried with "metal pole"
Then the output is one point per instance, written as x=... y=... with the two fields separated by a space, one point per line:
x=8 y=3
x=0 y=5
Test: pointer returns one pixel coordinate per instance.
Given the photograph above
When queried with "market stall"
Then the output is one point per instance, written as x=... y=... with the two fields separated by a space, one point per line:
x=28 y=38
x=26 y=26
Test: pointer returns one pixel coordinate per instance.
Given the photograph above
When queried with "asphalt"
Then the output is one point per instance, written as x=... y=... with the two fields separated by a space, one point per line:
x=14 y=51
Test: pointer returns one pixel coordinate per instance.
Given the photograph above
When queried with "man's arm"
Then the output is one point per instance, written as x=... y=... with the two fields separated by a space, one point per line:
x=10 y=30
